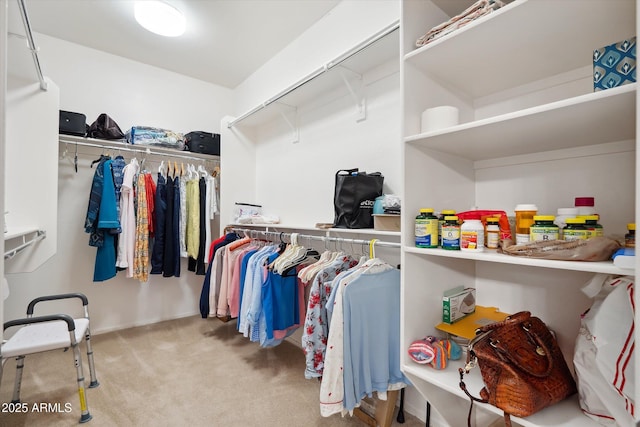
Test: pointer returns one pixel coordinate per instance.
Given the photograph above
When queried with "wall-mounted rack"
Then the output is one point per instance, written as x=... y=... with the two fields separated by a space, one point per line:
x=346 y=69
x=144 y=150
x=37 y=235
x=31 y=43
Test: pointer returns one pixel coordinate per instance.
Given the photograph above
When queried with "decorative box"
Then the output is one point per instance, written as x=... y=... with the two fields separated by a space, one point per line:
x=458 y=303
x=614 y=65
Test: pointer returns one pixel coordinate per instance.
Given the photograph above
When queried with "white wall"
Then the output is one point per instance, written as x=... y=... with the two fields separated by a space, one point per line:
x=132 y=93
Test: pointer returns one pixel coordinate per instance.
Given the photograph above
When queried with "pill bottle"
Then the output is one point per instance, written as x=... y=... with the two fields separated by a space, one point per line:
x=563 y=214
x=451 y=233
x=524 y=220
x=575 y=229
x=543 y=229
x=441 y=220
x=472 y=236
x=426 y=229
x=493 y=233
x=630 y=237
x=591 y=223
x=585 y=205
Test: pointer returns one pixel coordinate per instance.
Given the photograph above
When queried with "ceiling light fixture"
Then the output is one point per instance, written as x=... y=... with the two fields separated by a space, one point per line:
x=160 y=18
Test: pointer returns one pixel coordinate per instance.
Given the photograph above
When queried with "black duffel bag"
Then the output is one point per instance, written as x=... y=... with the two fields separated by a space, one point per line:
x=72 y=123
x=355 y=193
x=203 y=142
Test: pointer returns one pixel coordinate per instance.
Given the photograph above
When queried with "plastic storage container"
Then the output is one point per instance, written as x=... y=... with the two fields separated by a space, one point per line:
x=472 y=236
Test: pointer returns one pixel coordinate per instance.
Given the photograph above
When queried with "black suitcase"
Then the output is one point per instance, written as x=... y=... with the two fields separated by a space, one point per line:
x=72 y=123
x=203 y=142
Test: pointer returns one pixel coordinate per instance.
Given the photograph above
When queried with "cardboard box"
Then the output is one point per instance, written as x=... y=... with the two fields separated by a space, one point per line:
x=614 y=65
x=458 y=303
x=386 y=222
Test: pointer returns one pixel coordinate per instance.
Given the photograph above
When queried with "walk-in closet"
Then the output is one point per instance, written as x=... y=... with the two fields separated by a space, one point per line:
x=220 y=287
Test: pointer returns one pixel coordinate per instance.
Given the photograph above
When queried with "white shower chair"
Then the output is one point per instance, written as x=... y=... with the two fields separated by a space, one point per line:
x=38 y=334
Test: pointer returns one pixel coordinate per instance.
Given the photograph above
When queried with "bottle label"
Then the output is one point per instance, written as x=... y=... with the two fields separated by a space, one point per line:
x=426 y=232
x=570 y=234
x=522 y=238
x=539 y=234
x=469 y=240
x=493 y=238
x=450 y=237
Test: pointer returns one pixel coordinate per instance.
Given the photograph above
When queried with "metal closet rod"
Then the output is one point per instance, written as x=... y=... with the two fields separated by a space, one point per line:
x=275 y=234
x=31 y=43
x=145 y=150
x=325 y=68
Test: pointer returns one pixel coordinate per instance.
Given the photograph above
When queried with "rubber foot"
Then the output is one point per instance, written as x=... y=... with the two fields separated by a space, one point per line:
x=94 y=384
x=85 y=418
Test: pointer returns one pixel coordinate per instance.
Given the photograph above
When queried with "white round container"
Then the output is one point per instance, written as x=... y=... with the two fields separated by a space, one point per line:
x=563 y=214
x=472 y=236
x=440 y=117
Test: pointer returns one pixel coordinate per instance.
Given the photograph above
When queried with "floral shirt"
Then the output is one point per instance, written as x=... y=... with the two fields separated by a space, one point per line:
x=316 y=330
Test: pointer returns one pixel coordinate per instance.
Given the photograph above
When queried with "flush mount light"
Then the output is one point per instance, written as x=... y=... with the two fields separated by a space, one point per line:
x=160 y=18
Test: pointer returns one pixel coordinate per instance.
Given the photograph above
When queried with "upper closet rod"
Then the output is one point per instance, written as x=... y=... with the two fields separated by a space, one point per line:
x=138 y=150
x=32 y=45
x=328 y=66
x=275 y=234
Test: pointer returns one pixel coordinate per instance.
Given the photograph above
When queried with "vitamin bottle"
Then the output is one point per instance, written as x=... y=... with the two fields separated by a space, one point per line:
x=585 y=205
x=451 y=233
x=426 y=229
x=575 y=229
x=441 y=219
x=544 y=228
x=630 y=237
x=493 y=233
x=472 y=236
x=563 y=214
x=591 y=223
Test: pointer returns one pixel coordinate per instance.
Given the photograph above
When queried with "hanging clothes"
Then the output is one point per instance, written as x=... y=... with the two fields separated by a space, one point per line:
x=108 y=224
x=157 y=253
x=206 y=306
x=141 y=252
x=126 y=241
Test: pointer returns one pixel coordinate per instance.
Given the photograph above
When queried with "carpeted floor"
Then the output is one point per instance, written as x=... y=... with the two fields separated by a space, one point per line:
x=185 y=372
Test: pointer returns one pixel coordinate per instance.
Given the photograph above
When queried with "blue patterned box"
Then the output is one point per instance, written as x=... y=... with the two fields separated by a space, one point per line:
x=614 y=65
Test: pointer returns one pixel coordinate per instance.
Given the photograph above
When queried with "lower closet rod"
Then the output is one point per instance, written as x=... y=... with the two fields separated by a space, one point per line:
x=374 y=242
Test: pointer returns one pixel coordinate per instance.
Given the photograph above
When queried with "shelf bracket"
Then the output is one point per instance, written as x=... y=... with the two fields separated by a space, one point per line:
x=289 y=114
x=355 y=85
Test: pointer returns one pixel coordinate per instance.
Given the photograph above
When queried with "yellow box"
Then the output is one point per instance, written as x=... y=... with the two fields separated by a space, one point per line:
x=386 y=222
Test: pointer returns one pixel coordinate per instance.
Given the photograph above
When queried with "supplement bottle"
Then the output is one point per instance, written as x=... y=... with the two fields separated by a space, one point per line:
x=543 y=229
x=451 y=233
x=591 y=223
x=575 y=229
x=441 y=219
x=472 y=236
x=493 y=233
x=426 y=229
x=524 y=220
x=630 y=237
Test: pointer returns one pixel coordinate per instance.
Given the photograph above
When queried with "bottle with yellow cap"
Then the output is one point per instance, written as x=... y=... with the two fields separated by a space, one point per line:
x=451 y=233
x=426 y=229
x=543 y=229
x=630 y=237
x=575 y=229
x=441 y=219
x=591 y=222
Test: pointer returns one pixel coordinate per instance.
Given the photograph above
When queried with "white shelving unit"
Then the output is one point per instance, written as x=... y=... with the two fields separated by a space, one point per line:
x=531 y=130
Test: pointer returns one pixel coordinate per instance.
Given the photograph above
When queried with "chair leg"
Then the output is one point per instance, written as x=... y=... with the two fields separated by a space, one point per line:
x=92 y=368
x=85 y=415
x=18 y=381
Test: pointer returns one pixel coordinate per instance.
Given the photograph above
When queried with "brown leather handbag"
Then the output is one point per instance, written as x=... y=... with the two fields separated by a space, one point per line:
x=521 y=365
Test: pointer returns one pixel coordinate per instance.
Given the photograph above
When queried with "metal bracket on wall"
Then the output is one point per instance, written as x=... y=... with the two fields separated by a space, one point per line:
x=355 y=85
x=290 y=115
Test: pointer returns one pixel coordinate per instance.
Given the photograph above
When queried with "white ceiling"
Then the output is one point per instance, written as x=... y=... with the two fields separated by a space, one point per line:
x=225 y=41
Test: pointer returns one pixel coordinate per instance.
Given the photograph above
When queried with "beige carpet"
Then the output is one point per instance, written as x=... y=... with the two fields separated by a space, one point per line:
x=186 y=372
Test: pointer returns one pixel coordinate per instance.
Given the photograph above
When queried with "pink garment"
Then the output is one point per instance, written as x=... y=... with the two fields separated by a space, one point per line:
x=230 y=257
x=234 y=291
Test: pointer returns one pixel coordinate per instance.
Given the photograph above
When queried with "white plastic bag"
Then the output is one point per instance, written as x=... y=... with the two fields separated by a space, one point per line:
x=604 y=352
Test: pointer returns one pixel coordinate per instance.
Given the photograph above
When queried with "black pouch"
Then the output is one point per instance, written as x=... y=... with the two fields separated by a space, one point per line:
x=105 y=128
x=203 y=142
x=72 y=123
x=354 y=195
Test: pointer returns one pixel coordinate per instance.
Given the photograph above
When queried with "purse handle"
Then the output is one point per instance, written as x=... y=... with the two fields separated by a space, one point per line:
x=514 y=318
